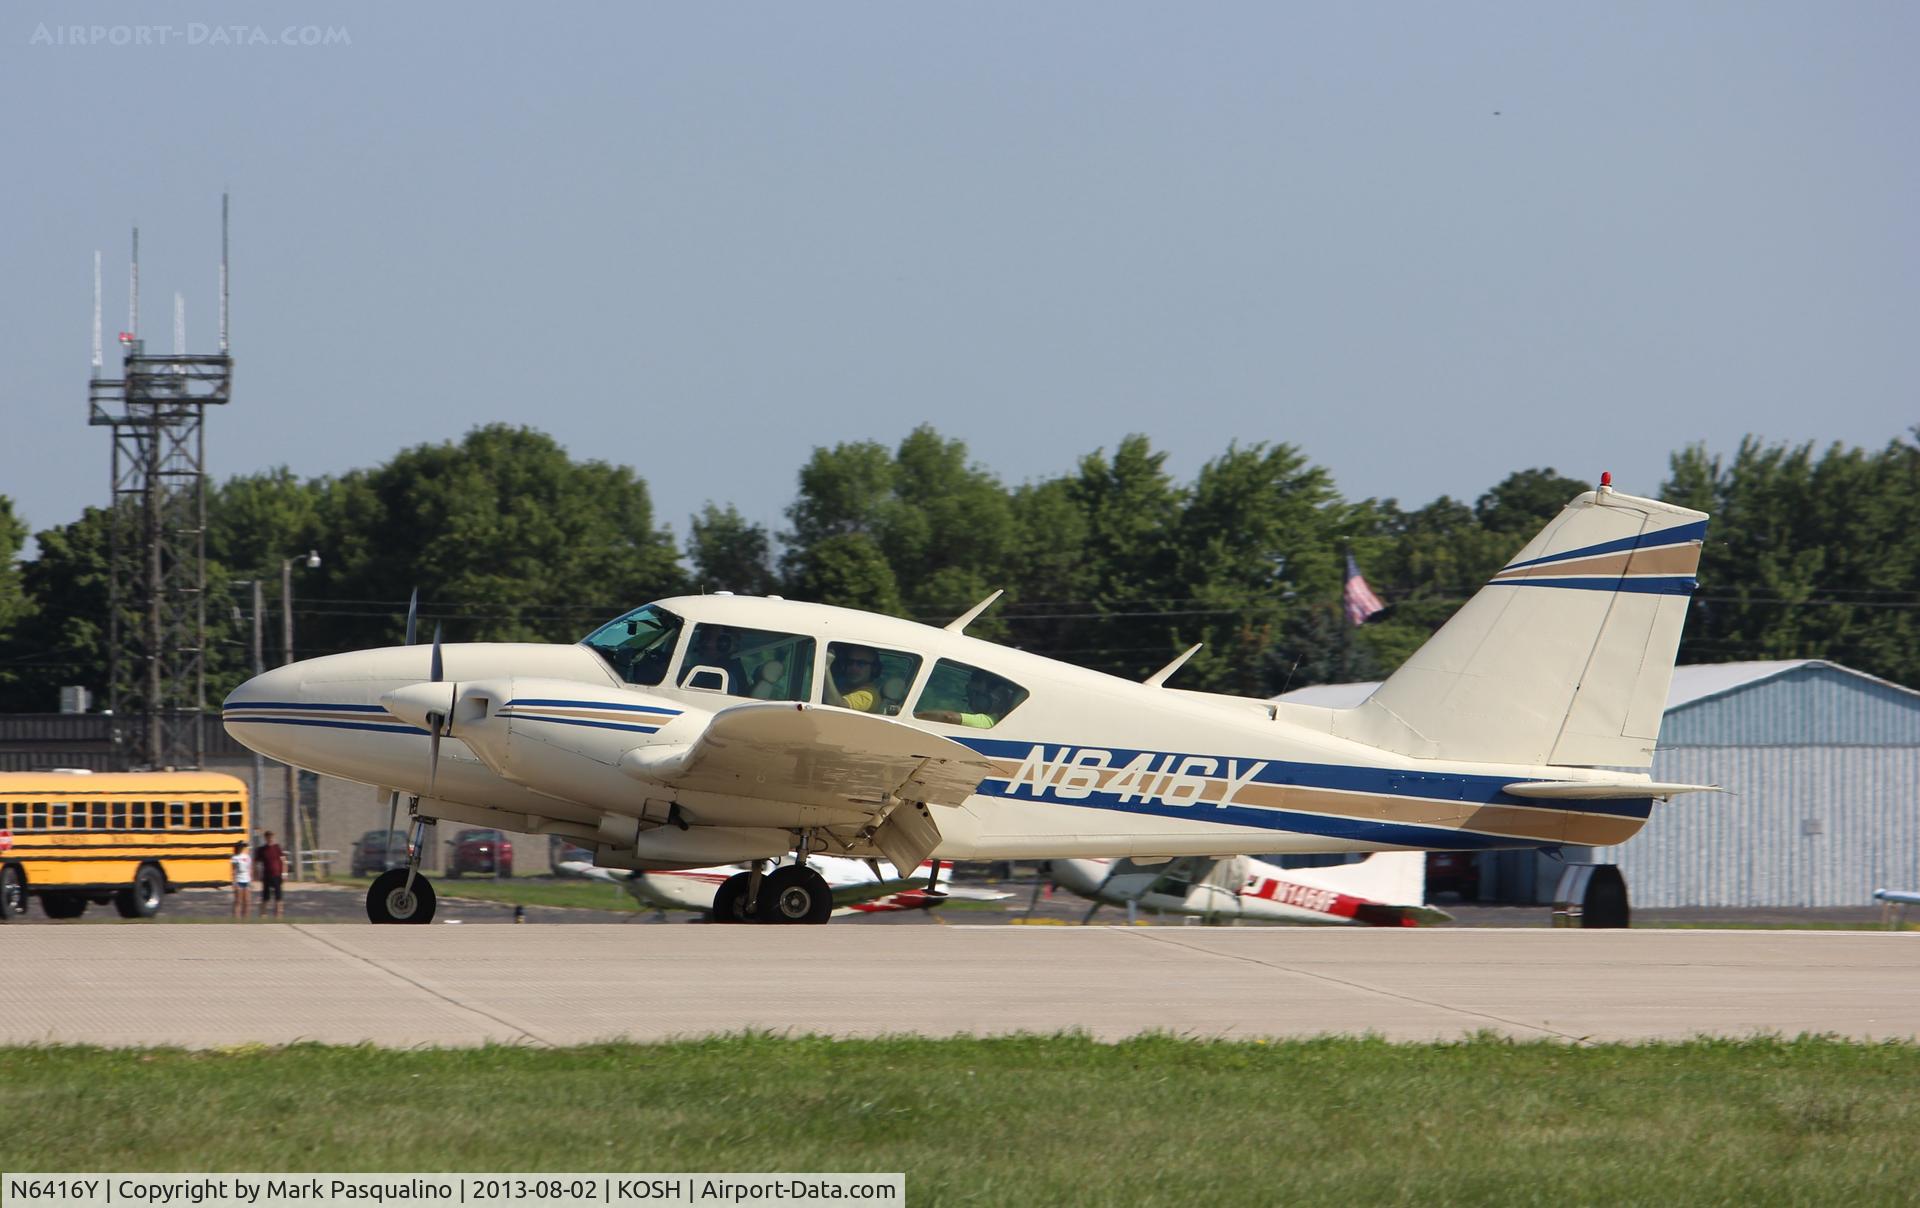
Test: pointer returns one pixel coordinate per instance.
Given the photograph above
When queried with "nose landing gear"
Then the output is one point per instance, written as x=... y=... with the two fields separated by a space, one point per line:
x=402 y=895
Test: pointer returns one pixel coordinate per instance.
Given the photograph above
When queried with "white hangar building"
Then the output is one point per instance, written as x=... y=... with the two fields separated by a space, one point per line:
x=1821 y=765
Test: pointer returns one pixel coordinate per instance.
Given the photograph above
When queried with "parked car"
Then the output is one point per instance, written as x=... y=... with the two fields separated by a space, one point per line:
x=378 y=850
x=1454 y=872
x=487 y=852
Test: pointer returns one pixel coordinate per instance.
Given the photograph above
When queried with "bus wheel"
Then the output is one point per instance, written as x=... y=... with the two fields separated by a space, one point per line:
x=142 y=901
x=63 y=905
x=389 y=902
x=13 y=893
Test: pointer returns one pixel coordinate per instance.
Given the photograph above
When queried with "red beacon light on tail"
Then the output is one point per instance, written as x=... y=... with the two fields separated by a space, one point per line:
x=1606 y=480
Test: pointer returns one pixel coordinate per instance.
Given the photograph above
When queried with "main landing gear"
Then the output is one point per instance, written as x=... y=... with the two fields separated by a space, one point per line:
x=402 y=895
x=792 y=893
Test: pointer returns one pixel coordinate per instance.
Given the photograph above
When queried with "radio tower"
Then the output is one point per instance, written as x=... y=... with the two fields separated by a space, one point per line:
x=157 y=610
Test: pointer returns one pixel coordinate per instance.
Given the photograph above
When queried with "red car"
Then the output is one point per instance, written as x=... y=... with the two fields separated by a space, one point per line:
x=487 y=852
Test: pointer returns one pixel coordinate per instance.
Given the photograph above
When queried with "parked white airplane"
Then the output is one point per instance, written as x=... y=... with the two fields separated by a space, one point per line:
x=718 y=729
x=1387 y=889
x=857 y=886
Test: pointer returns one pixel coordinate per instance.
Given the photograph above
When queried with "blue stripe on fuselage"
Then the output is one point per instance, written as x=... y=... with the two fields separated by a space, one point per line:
x=1384 y=782
x=1664 y=585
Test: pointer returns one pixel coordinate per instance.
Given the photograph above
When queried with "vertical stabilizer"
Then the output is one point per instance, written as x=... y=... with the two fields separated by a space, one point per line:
x=1564 y=657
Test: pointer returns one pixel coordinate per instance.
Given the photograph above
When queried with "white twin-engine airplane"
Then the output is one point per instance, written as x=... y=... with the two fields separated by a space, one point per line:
x=1386 y=889
x=709 y=730
x=857 y=886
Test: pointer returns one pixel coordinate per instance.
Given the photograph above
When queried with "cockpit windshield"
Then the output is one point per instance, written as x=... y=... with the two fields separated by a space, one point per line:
x=638 y=645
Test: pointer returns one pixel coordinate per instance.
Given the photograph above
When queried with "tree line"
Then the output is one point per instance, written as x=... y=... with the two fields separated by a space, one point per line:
x=1115 y=565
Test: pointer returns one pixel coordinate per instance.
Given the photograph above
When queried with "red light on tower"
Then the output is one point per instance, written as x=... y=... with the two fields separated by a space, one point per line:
x=1606 y=478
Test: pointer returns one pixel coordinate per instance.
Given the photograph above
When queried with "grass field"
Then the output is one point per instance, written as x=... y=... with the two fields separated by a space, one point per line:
x=1023 y=1120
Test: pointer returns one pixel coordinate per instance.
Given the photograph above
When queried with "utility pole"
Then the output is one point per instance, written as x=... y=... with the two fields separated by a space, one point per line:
x=296 y=842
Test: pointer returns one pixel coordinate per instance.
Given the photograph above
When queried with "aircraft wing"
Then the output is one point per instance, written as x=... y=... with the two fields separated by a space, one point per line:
x=814 y=755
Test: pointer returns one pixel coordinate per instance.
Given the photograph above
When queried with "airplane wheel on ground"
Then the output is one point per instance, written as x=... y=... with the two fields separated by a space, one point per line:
x=142 y=900
x=63 y=905
x=791 y=894
x=730 y=900
x=13 y=893
x=389 y=902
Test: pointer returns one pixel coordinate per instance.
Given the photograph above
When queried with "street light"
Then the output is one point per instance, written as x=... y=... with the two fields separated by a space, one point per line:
x=312 y=561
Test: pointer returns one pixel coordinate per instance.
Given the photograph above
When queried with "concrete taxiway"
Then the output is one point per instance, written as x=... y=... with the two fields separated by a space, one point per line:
x=216 y=985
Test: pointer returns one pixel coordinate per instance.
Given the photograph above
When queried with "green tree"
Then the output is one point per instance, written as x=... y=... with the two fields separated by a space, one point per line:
x=729 y=553
x=62 y=639
x=507 y=538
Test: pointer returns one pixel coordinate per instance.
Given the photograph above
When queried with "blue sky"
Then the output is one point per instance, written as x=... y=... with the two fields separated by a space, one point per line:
x=1429 y=244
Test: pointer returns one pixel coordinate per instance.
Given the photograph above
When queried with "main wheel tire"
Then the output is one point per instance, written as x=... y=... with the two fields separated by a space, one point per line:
x=730 y=900
x=389 y=902
x=142 y=899
x=791 y=894
x=13 y=893
x=63 y=905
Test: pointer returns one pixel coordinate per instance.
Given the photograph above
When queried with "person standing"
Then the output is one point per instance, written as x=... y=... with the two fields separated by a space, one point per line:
x=270 y=866
x=242 y=879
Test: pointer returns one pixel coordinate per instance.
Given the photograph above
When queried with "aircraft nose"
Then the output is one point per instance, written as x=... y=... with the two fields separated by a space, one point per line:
x=249 y=710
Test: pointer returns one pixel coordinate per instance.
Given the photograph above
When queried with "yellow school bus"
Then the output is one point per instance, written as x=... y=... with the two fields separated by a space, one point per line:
x=126 y=839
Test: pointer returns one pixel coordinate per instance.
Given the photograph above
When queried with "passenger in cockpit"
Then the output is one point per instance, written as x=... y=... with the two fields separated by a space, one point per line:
x=852 y=682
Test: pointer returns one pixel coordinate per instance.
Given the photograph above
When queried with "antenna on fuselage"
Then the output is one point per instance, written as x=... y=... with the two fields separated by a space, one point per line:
x=1180 y=660
x=959 y=624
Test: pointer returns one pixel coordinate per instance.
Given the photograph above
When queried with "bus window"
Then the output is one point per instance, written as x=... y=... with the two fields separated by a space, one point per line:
x=39 y=815
x=176 y=815
x=236 y=816
x=19 y=820
x=59 y=821
x=197 y=815
x=99 y=815
x=119 y=815
x=138 y=809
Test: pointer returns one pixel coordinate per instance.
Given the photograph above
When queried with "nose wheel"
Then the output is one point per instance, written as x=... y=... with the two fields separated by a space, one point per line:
x=402 y=895
x=390 y=900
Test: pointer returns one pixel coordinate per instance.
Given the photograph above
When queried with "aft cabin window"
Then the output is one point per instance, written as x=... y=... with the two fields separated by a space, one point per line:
x=959 y=695
x=868 y=679
x=638 y=645
x=757 y=663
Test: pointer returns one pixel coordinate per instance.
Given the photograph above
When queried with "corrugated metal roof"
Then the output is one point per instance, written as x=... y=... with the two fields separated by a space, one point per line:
x=1692 y=682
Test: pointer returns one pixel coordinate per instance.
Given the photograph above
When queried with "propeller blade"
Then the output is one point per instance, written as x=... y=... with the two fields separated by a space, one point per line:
x=413 y=618
x=437 y=671
x=433 y=749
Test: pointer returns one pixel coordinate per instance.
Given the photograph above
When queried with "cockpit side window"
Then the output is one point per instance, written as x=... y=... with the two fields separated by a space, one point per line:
x=959 y=695
x=868 y=679
x=638 y=645
x=757 y=663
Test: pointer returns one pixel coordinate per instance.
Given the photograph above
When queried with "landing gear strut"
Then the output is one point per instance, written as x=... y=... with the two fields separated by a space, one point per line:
x=402 y=895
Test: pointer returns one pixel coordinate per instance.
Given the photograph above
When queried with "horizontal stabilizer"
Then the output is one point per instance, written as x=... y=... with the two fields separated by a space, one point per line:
x=1602 y=790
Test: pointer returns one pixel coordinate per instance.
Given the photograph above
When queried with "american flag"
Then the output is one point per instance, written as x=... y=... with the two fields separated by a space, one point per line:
x=1360 y=600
